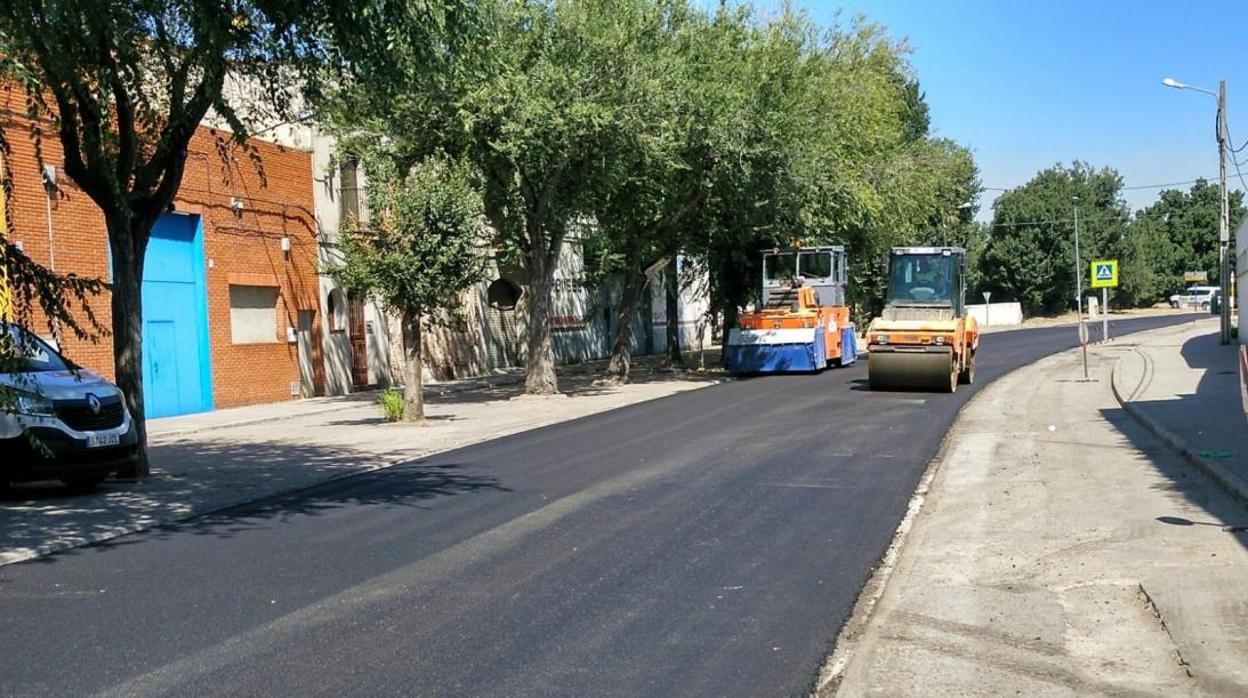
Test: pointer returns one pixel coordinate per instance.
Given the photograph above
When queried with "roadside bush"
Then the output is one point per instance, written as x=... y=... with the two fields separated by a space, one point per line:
x=391 y=402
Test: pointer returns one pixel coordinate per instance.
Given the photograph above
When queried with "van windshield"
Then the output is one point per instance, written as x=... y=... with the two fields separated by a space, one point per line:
x=23 y=352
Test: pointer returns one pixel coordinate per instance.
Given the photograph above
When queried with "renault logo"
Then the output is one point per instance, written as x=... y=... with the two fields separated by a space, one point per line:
x=93 y=402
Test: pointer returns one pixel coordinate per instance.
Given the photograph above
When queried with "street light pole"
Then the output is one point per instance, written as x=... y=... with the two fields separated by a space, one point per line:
x=1224 y=220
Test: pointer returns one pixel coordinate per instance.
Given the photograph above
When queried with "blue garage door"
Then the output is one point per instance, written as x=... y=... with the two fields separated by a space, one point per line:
x=176 y=375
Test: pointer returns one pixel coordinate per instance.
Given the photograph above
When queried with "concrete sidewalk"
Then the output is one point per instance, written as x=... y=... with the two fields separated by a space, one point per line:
x=209 y=462
x=295 y=408
x=1059 y=549
x=1184 y=387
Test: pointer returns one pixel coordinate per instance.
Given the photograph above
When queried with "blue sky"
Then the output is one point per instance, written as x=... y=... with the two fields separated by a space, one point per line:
x=1032 y=83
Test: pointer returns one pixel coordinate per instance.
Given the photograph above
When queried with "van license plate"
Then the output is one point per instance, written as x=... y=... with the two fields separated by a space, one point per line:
x=100 y=440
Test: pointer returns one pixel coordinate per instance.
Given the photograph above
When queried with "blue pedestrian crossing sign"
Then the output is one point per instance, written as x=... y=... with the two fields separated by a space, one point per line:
x=1105 y=273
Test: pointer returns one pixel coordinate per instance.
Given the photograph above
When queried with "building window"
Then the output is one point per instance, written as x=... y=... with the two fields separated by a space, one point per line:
x=253 y=314
x=336 y=305
x=349 y=195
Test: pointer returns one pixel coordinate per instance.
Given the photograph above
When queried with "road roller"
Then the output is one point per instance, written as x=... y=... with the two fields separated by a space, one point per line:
x=802 y=323
x=924 y=339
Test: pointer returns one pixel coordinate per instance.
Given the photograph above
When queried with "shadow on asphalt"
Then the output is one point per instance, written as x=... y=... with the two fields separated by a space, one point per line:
x=38 y=512
x=411 y=486
x=1181 y=479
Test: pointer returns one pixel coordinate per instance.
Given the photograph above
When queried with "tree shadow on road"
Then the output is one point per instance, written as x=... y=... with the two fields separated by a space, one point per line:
x=197 y=476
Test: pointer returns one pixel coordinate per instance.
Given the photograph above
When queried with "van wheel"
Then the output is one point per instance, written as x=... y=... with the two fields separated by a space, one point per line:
x=83 y=485
x=1204 y=306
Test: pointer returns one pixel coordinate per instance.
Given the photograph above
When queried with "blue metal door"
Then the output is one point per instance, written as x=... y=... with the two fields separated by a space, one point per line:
x=176 y=375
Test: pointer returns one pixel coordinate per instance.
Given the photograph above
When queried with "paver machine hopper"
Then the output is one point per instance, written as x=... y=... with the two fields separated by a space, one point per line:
x=924 y=339
x=802 y=324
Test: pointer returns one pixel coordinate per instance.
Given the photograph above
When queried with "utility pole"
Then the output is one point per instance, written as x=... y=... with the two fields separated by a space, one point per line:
x=1083 y=330
x=1224 y=222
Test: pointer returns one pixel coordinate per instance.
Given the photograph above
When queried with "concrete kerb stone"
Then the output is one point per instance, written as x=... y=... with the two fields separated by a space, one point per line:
x=1230 y=481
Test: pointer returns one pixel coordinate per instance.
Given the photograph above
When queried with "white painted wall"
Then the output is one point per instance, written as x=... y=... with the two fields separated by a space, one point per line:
x=996 y=315
x=336 y=346
x=695 y=329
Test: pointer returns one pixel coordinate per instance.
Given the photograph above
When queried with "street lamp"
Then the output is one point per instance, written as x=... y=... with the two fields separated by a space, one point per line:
x=1224 y=220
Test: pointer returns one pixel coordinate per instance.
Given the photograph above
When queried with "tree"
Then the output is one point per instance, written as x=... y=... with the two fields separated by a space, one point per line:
x=1030 y=255
x=421 y=249
x=659 y=171
x=816 y=111
x=926 y=191
x=126 y=83
x=1187 y=222
x=534 y=104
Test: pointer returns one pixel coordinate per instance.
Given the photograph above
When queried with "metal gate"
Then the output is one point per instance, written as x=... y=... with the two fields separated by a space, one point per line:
x=177 y=377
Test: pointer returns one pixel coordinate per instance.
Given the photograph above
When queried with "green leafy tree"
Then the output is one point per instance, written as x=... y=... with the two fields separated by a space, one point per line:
x=125 y=83
x=1030 y=255
x=421 y=248
x=535 y=104
x=658 y=174
x=1145 y=255
x=837 y=151
x=1180 y=232
x=926 y=189
x=816 y=110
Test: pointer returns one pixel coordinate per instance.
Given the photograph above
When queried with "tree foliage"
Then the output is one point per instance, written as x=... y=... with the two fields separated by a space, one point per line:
x=536 y=104
x=1179 y=233
x=1029 y=255
x=419 y=250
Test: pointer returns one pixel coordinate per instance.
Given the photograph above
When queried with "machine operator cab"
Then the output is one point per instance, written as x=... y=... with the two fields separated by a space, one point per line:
x=928 y=281
x=821 y=268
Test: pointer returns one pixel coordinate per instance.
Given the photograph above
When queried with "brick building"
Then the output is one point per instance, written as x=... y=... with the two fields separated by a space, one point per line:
x=231 y=302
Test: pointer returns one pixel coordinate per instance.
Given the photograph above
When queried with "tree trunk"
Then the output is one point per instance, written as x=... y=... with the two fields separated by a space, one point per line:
x=413 y=378
x=539 y=363
x=730 y=322
x=622 y=351
x=127 y=309
x=672 y=286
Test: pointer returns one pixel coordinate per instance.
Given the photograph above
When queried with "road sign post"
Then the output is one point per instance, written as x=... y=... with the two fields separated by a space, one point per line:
x=1104 y=314
x=1104 y=277
x=987 y=306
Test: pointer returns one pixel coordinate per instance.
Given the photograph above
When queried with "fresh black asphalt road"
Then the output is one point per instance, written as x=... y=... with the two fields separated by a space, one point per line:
x=711 y=543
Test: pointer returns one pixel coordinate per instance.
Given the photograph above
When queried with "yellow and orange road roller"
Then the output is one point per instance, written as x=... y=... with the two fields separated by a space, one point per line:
x=924 y=339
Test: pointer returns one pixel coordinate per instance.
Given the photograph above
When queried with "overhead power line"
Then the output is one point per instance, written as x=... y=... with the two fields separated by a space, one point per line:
x=1082 y=219
x=1133 y=187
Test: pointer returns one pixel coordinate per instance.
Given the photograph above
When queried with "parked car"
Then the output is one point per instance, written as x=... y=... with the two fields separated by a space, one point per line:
x=58 y=421
x=1195 y=297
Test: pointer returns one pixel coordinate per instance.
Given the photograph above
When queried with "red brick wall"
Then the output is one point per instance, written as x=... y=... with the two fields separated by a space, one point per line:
x=240 y=246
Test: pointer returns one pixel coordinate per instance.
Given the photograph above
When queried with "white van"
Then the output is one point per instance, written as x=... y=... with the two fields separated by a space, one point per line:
x=1194 y=298
x=58 y=421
